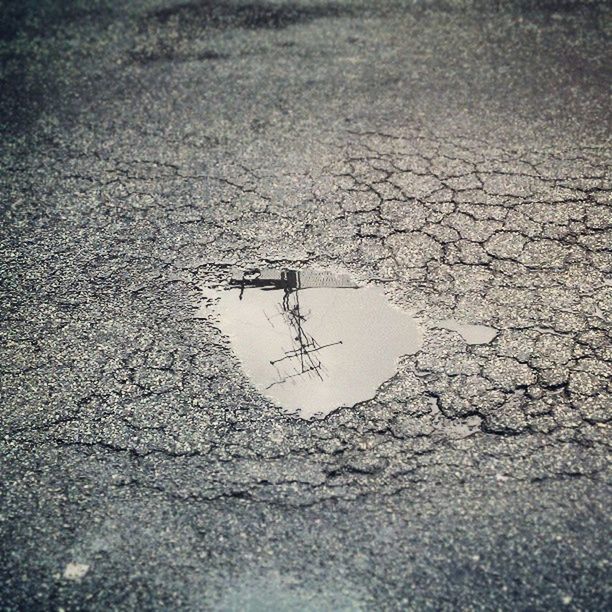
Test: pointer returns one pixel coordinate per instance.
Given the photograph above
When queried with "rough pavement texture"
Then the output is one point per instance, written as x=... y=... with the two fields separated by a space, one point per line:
x=456 y=153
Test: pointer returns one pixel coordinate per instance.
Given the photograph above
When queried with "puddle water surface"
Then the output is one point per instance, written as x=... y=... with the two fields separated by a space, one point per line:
x=314 y=342
x=472 y=334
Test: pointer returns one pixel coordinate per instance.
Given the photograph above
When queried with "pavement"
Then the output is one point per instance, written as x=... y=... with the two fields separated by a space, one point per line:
x=454 y=153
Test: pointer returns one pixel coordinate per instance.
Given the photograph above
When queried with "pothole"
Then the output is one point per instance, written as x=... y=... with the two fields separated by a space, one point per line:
x=314 y=341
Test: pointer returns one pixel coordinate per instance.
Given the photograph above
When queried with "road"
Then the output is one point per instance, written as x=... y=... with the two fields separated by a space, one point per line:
x=455 y=153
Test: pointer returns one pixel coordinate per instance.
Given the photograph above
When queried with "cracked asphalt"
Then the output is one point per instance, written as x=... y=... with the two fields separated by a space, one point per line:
x=456 y=153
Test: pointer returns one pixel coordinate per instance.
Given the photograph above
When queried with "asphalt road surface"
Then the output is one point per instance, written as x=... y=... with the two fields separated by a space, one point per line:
x=455 y=153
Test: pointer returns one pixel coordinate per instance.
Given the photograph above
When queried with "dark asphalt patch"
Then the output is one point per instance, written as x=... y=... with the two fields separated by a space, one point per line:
x=168 y=34
x=253 y=15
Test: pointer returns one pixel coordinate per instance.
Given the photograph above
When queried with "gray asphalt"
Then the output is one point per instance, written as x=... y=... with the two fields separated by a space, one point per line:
x=455 y=153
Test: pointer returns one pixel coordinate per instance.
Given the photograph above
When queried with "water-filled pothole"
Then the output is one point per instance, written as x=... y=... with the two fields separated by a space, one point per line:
x=313 y=342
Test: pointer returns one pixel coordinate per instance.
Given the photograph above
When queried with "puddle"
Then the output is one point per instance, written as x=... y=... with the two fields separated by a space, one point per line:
x=313 y=342
x=472 y=334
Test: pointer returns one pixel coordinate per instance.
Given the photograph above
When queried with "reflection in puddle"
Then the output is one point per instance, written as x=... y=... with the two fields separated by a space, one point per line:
x=472 y=334
x=313 y=342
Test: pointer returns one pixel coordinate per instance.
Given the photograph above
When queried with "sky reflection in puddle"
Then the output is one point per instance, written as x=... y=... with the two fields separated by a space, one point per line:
x=312 y=349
